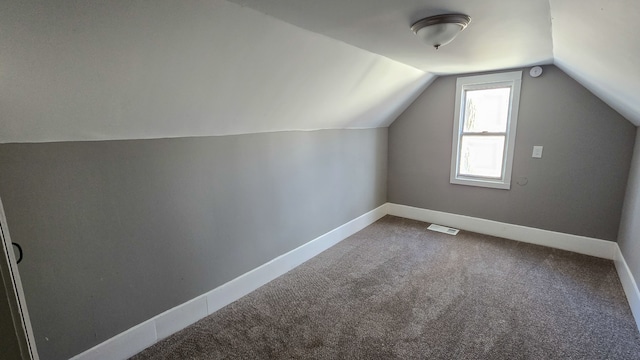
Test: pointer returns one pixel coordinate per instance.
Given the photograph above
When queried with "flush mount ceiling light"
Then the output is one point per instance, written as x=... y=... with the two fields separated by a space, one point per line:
x=440 y=29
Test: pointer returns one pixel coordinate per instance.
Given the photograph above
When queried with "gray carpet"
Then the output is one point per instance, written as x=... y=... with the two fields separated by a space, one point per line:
x=398 y=291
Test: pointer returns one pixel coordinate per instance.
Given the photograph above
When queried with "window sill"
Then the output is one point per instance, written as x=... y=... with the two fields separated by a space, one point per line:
x=497 y=184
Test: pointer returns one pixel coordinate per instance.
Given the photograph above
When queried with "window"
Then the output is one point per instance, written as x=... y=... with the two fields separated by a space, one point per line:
x=484 y=130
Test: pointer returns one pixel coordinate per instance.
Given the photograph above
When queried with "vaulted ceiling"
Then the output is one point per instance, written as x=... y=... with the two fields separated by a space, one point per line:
x=121 y=69
x=594 y=41
x=502 y=34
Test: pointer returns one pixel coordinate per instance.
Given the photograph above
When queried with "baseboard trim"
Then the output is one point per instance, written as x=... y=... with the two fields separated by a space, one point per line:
x=257 y=277
x=629 y=285
x=575 y=243
x=141 y=336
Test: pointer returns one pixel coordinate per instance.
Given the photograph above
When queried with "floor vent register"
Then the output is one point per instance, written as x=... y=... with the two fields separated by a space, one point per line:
x=443 y=229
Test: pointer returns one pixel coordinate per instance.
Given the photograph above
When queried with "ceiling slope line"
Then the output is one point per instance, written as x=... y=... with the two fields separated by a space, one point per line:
x=208 y=69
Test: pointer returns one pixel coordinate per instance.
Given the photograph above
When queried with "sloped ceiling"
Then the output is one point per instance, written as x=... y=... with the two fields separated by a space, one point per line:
x=121 y=69
x=594 y=41
x=597 y=42
x=502 y=34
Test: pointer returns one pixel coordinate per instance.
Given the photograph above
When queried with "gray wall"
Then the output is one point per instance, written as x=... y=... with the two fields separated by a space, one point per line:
x=576 y=188
x=629 y=236
x=117 y=232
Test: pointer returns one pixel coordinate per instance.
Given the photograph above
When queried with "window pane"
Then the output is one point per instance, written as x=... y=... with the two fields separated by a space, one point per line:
x=486 y=110
x=481 y=156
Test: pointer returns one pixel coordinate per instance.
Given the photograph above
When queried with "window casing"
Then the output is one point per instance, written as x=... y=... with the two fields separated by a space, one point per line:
x=484 y=131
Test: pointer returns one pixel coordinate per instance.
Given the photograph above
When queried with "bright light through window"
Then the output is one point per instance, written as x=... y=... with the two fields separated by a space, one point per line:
x=484 y=131
x=486 y=110
x=481 y=156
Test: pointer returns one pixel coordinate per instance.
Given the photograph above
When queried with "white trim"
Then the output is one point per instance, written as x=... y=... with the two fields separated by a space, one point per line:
x=123 y=345
x=140 y=337
x=181 y=316
x=579 y=244
x=17 y=303
x=243 y=285
x=629 y=285
x=512 y=80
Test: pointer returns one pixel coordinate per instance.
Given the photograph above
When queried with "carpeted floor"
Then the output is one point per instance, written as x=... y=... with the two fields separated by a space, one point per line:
x=398 y=291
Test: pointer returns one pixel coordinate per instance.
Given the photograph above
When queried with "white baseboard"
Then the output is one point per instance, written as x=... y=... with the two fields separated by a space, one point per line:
x=579 y=244
x=629 y=285
x=257 y=277
x=123 y=345
x=139 y=337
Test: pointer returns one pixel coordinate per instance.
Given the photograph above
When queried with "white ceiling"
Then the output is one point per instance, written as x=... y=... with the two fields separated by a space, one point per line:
x=594 y=41
x=597 y=42
x=502 y=34
x=121 y=69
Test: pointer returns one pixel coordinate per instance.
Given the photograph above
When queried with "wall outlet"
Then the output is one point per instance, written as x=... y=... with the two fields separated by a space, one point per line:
x=537 y=152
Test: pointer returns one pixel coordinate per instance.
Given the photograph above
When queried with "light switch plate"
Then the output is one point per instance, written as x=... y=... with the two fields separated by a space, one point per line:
x=537 y=152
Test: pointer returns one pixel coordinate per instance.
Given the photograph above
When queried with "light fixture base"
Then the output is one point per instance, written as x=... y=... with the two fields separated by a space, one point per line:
x=441 y=29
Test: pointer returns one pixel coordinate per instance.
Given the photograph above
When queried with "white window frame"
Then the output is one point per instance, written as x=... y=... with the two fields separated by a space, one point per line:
x=481 y=82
